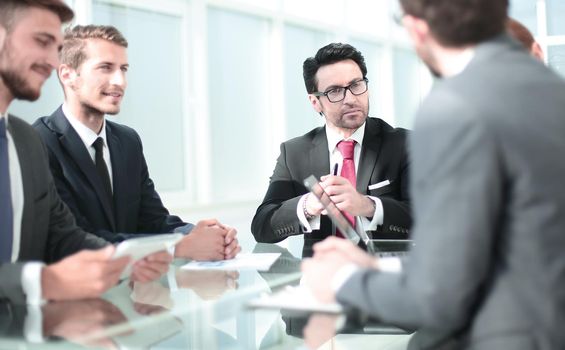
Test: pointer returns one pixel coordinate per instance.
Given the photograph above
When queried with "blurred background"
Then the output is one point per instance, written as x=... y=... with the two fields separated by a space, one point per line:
x=216 y=85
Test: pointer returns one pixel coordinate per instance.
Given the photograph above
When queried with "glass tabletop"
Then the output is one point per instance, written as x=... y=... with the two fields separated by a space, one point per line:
x=188 y=309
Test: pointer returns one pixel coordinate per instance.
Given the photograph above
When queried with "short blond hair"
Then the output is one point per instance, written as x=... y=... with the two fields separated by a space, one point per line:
x=74 y=42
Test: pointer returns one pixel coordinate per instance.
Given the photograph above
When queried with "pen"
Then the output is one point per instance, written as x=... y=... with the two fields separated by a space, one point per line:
x=335 y=169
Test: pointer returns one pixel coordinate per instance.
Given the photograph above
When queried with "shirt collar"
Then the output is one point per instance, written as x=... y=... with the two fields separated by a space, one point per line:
x=86 y=134
x=5 y=115
x=334 y=137
x=458 y=63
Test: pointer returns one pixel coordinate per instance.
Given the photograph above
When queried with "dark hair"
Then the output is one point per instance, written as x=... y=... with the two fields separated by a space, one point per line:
x=74 y=42
x=518 y=31
x=458 y=23
x=332 y=53
x=9 y=9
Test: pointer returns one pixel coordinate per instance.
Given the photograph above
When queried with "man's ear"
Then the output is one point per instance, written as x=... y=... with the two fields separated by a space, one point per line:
x=67 y=75
x=315 y=101
x=536 y=51
x=417 y=28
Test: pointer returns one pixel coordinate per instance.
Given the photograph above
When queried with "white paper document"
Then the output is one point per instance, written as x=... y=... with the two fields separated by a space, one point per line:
x=297 y=298
x=243 y=261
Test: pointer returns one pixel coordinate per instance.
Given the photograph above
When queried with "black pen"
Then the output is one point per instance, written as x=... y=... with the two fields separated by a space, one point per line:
x=335 y=169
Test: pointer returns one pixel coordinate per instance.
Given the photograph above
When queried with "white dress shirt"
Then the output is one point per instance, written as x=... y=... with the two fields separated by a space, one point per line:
x=336 y=157
x=88 y=137
x=31 y=272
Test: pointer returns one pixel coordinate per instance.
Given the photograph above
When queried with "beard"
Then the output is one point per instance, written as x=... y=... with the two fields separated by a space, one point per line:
x=429 y=60
x=14 y=79
x=355 y=124
x=435 y=73
x=18 y=85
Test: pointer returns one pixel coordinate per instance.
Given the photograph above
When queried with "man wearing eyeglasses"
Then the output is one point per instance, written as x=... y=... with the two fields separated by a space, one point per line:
x=361 y=161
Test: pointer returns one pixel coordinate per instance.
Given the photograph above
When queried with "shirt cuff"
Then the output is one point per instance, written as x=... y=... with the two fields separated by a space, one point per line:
x=378 y=216
x=307 y=226
x=171 y=250
x=390 y=264
x=31 y=283
x=33 y=324
x=185 y=229
x=342 y=275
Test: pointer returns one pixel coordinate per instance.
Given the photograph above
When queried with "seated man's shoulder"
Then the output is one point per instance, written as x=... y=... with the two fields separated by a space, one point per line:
x=122 y=131
x=23 y=128
x=387 y=129
x=307 y=138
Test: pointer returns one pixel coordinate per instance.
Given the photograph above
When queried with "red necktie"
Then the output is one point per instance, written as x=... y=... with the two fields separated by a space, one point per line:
x=348 y=171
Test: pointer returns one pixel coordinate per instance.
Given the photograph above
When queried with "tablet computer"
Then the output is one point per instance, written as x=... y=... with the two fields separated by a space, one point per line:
x=138 y=248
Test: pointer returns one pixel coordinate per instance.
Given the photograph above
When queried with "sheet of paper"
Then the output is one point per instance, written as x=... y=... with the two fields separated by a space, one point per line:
x=298 y=298
x=243 y=261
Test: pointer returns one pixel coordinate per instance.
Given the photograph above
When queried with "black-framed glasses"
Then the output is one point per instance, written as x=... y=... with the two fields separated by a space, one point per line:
x=337 y=94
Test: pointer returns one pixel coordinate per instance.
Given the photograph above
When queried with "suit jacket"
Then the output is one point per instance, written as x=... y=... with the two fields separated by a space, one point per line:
x=136 y=207
x=383 y=157
x=48 y=231
x=488 y=269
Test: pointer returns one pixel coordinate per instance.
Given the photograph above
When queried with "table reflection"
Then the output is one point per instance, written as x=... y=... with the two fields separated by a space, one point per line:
x=208 y=284
x=72 y=320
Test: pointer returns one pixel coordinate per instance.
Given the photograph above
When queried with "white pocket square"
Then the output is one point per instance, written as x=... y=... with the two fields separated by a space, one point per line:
x=379 y=185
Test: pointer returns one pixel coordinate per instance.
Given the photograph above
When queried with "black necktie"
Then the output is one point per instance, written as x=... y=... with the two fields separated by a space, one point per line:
x=6 y=210
x=102 y=168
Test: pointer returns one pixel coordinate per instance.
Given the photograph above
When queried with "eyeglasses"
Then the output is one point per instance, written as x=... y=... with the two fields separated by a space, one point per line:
x=337 y=94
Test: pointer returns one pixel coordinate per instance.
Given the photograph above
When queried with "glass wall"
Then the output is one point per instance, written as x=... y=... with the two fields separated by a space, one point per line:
x=153 y=102
x=215 y=86
x=406 y=82
x=299 y=44
x=237 y=71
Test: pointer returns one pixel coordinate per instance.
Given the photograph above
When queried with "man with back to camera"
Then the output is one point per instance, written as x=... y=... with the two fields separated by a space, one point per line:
x=99 y=166
x=35 y=225
x=368 y=154
x=487 y=267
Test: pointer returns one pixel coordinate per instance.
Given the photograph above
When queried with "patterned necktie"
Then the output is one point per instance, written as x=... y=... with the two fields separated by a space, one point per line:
x=6 y=210
x=347 y=171
x=102 y=168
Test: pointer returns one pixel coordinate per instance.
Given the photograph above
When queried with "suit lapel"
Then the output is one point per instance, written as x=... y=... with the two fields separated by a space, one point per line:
x=319 y=155
x=71 y=142
x=26 y=158
x=370 y=152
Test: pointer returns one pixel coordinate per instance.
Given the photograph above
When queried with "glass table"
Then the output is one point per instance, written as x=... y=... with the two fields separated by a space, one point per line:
x=190 y=310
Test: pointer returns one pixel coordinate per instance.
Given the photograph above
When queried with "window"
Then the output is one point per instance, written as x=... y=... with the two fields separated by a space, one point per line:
x=238 y=104
x=153 y=102
x=299 y=44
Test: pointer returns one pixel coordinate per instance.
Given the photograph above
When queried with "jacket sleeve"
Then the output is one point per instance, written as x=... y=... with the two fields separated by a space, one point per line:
x=397 y=219
x=276 y=217
x=11 y=286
